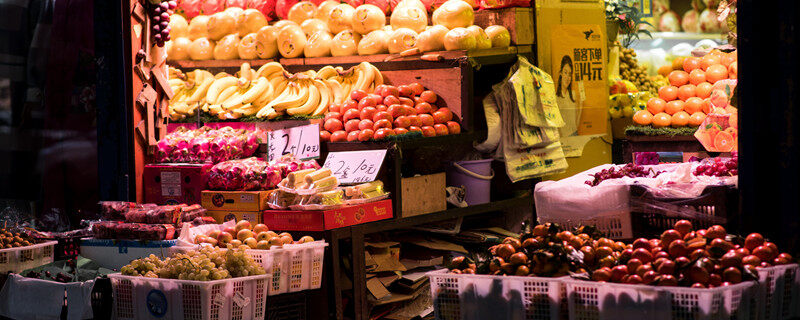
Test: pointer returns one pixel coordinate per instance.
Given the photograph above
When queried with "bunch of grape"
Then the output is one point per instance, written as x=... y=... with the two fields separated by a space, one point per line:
x=719 y=168
x=159 y=16
x=629 y=170
x=630 y=70
x=209 y=263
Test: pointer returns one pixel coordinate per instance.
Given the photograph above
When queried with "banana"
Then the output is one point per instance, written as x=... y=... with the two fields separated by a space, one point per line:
x=369 y=76
x=256 y=90
x=326 y=72
x=181 y=108
x=269 y=68
x=264 y=112
x=222 y=75
x=358 y=73
x=273 y=114
x=215 y=109
x=326 y=97
x=176 y=83
x=347 y=87
x=336 y=91
x=204 y=107
x=201 y=90
x=294 y=101
x=262 y=100
x=286 y=92
x=310 y=103
x=244 y=71
x=217 y=87
x=201 y=75
x=245 y=110
x=225 y=94
x=378 y=76
x=278 y=85
x=234 y=101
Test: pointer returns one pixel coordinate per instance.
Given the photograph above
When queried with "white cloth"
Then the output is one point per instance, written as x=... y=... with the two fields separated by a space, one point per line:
x=36 y=299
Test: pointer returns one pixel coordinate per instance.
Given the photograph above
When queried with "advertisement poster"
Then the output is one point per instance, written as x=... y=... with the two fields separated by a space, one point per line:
x=579 y=68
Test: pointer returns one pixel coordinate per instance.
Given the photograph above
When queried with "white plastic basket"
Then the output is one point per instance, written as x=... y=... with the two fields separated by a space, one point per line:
x=469 y=296
x=23 y=258
x=294 y=267
x=588 y=300
x=153 y=298
x=780 y=292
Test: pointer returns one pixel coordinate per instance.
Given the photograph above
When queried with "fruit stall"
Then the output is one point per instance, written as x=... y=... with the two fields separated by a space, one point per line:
x=418 y=160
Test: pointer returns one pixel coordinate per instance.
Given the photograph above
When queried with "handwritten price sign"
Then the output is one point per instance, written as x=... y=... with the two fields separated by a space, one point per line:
x=301 y=141
x=355 y=166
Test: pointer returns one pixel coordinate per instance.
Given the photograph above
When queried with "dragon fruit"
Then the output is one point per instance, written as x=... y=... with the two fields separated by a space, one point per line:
x=189 y=8
x=236 y=3
x=267 y=7
x=207 y=145
x=209 y=7
x=253 y=173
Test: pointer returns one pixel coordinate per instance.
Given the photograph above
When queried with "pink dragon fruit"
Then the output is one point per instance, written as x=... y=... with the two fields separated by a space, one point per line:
x=209 y=7
x=253 y=173
x=236 y=3
x=384 y=5
x=267 y=7
x=189 y=8
x=282 y=7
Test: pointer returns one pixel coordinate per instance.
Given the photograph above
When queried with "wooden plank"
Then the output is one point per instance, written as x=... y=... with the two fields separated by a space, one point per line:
x=518 y=21
x=423 y=194
x=207 y=64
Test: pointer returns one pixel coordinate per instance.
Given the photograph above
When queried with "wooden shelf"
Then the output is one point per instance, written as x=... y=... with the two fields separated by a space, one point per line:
x=399 y=223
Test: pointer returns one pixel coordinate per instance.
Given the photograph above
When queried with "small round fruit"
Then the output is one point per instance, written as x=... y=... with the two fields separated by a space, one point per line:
x=716 y=232
x=428 y=96
x=426 y=120
x=697 y=119
x=678 y=78
x=339 y=136
x=687 y=91
x=423 y=108
x=351 y=125
x=673 y=107
x=656 y=105
x=716 y=73
x=708 y=61
x=324 y=136
x=668 y=93
x=697 y=77
x=643 y=117
x=352 y=136
x=453 y=127
x=643 y=255
x=365 y=134
x=367 y=113
x=703 y=90
x=333 y=125
x=402 y=122
x=691 y=63
x=382 y=123
x=442 y=115
x=441 y=129
x=428 y=131
x=505 y=251
x=602 y=274
x=753 y=240
x=680 y=119
x=662 y=120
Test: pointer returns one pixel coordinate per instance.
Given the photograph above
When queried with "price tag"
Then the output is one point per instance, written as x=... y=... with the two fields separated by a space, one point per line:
x=355 y=166
x=301 y=141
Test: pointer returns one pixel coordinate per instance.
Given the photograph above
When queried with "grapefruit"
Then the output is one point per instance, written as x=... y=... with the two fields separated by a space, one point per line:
x=724 y=141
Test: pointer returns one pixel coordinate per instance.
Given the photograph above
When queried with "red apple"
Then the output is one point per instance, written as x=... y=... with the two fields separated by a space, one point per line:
x=396 y=110
x=390 y=100
x=407 y=101
x=366 y=102
x=333 y=115
x=415 y=129
x=368 y=113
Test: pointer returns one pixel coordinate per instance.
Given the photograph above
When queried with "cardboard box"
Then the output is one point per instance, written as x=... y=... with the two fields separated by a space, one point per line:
x=235 y=200
x=221 y=216
x=287 y=220
x=423 y=194
x=174 y=183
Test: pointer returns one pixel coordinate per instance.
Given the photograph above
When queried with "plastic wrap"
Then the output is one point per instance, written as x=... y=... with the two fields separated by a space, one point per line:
x=206 y=145
x=132 y=231
x=280 y=199
x=253 y=173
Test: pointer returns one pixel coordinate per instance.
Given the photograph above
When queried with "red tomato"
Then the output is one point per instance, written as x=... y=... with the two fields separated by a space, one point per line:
x=353 y=136
x=335 y=107
x=390 y=91
x=453 y=127
x=402 y=122
x=324 y=136
x=441 y=129
x=409 y=111
x=349 y=104
x=351 y=114
x=428 y=96
x=380 y=89
x=386 y=131
x=357 y=95
x=333 y=114
x=423 y=107
x=333 y=125
x=400 y=131
x=339 y=136
x=381 y=107
x=442 y=115
x=368 y=113
x=390 y=100
x=416 y=88
x=414 y=129
x=396 y=110
x=351 y=125
x=382 y=123
x=414 y=119
x=380 y=134
x=428 y=131
x=382 y=115
x=407 y=101
x=366 y=102
x=427 y=120
x=406 y=91
x=365 y=124
x=366 y=134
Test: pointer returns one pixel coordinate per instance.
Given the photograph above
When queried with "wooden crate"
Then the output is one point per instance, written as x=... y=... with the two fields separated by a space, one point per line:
x=518 y=21
x=423 y=194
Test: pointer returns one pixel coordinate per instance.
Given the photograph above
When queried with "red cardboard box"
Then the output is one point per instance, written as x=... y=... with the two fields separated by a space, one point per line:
x=287 y=220
x=175 y=183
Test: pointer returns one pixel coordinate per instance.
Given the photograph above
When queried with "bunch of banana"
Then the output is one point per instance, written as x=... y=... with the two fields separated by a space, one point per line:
x=188 y=89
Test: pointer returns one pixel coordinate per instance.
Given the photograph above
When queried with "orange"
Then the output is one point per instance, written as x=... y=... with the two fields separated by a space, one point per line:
x=642 y=117
x=656 y=105
x=665 y=70
x=697 y=77
x=704 y=89
x=728 y=58
x=687 y=91
x=709 y=60
x=674 y=106
x=697 y=119
x=724 y=142
x=733 y=70
x=668 y=93
x=661 y=120
x=692 y=105
x=678 y=78
x=733 y=121
x=691 y=63
x=716 y=73
x=677 y=64
x=680 y=119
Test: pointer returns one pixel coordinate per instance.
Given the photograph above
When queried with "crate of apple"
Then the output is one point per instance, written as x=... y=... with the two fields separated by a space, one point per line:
x=245 y=235
x=389 y=111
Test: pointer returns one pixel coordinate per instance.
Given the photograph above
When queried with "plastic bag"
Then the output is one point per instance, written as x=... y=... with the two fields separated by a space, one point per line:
x=206 y=145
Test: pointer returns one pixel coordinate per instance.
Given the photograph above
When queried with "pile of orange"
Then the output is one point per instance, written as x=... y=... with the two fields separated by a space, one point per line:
x=686 y=101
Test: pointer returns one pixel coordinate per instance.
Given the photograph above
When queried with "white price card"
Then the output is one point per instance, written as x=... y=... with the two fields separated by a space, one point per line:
x=355 y=166
x=303 y=142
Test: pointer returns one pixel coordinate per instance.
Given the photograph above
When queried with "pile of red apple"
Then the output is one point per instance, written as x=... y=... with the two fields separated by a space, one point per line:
x=248 y=236
x=390 y=110
x=705 y=258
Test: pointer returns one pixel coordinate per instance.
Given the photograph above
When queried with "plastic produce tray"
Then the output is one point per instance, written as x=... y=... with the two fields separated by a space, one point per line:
x=154 y=298
x=294 y=267
x=780 y=291
x=23 y=258
x=589 y=300
x=468 y=296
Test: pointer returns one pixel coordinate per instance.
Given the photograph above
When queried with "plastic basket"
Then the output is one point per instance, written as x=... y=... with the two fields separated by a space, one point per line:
x=294 y=267
x=468 y=296
x=290 y=306
x=154 y=298
x=23 y=258
x=780 y=291
x=589 y=300
x=615 y=225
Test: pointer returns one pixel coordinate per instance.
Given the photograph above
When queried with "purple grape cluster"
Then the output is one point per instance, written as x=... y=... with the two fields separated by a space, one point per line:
x=159 y=15
x=629 y=170
x=719 y=167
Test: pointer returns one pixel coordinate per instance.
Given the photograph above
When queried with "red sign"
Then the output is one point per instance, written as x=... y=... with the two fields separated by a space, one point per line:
x=287 y=220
